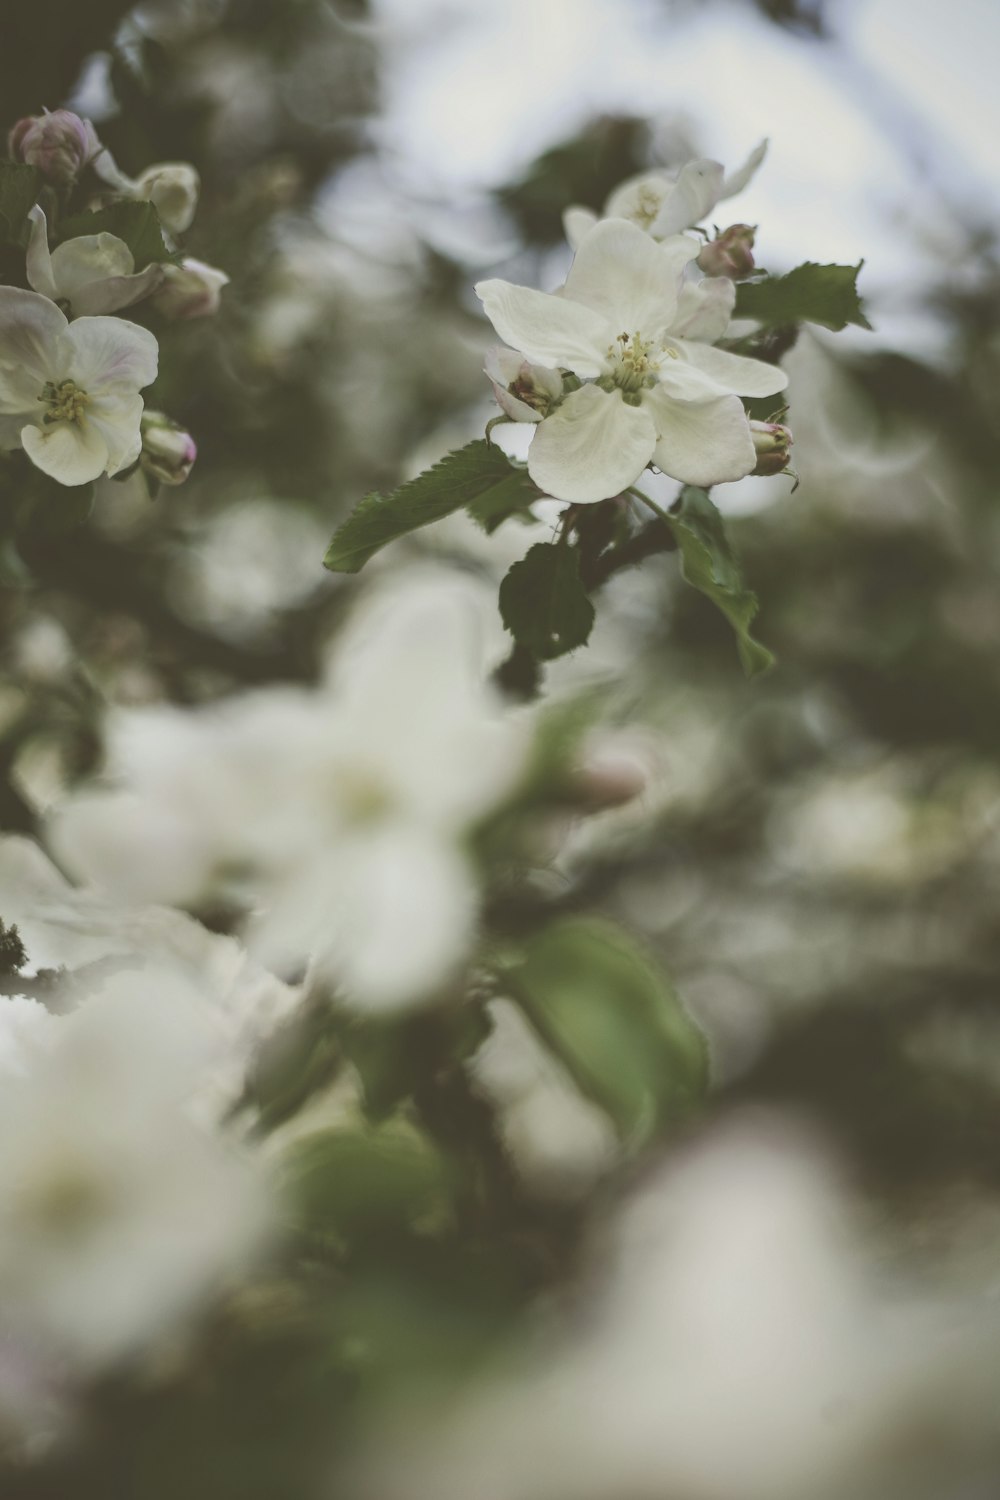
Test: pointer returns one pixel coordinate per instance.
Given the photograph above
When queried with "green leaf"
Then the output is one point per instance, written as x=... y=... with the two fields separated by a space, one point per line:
x=613 y=1020
x=543 y=602
x=477 y=475
x=138 y=224
x=809 y=294
x=709 y=564
x=366 y=1179
x=19 y=189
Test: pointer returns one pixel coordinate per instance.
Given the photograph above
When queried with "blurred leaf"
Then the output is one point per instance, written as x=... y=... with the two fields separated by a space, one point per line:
x=809 y=294
x=138 y=224
x=349 y=1181
x=612 y=1019
x=19 y=190
x=543 y=602
x=582 y=170
x=709 y=565
x=477 y=473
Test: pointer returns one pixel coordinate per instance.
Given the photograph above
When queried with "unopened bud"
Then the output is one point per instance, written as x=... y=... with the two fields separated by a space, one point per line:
x=525 y=392
x=59 y=145
x=730 y=253
x=190 y=290
x=771 y=442
x=168 y=452
x=614 y=771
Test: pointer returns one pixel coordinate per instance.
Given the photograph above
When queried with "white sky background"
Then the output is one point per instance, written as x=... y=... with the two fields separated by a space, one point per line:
x=864 y=132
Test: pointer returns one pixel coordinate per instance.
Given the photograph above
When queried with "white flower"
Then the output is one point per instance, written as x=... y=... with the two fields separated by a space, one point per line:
x=657 y=396
x=171 y=186
x=69 y=392
x=118 y=1215
x=663 y=205
x=93 y=274
x=77 y=930
x=190 y=290
x=339 y=815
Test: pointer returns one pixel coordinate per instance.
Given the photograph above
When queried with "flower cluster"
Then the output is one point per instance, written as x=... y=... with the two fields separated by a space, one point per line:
x=71 y=368
x=622 y=366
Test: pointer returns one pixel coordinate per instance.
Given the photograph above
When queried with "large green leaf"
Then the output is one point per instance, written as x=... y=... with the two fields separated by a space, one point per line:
x=543 y=602
x=478 y=476
x=809 y=294
x=137 y=223
x=709 y=564
x=613 y=1020
x=19 y=189
x=351 y=1180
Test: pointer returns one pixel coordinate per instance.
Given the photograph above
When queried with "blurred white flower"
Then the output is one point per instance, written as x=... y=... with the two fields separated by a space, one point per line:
x=662 y=205
x=171 y=186
x=92 y=274
x=657 y=396
x=738 y=1346
x=190 y=290
x=339 y=815
x=94 y=940
x=69 y=392
x=118 y=1216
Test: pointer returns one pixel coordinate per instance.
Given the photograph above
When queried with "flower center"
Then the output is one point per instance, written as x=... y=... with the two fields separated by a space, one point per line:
x=647 y=206
x=66 y=402
x=632 y=365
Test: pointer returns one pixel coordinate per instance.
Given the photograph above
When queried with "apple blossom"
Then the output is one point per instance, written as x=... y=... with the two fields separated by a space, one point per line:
x=190 y=290
x=653 y=395
x=338 y=815
x=92 y=274
x=60 y=144
x=525 y=392
x=171 y=186
x=664 y=205
x=69 y=392
x=168 y=452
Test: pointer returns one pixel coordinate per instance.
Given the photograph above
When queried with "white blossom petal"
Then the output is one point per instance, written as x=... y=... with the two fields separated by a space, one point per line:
x=704 y=309
x=702 y=442
x=593 y=447
x=90 y=257
x=735 y=372
x=100 y=297
x=695 y=193
x=407 y=918
x=548 y=330
x=109 y=352
x=69 y=452
x=117 y=417
x=576 y=223
x=38 y=260
x=736 y=181
x=623 y=274
x=32 y=334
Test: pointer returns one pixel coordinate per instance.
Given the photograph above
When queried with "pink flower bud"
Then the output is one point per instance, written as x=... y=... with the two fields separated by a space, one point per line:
x=59 y=144
x=771 y=442
x=190 y=290
x=168 y=452
x=730 y=253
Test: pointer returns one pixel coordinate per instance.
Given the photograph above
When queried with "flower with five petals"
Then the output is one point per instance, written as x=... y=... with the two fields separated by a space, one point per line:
x=69 y=392
x=652 y=395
